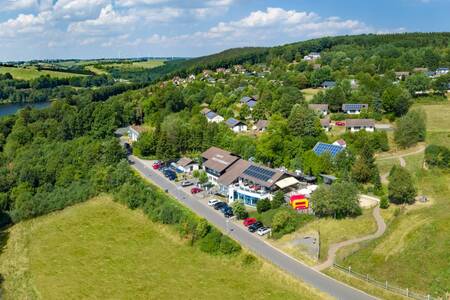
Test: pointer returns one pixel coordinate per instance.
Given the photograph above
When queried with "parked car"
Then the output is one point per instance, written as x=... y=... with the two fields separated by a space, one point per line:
x=128 y=148
x=228 y=213
x=196 y=190
x=225 y=208
x=263 y=231
x=219 y=205
x=249 y=221
x=157 y=165
x=340 y=123
x=171 y=176
x=212 y=202
x=255 y=226
x=186 y=183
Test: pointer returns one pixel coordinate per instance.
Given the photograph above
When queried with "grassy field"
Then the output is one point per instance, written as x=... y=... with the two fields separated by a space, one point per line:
x=32 y=73
x=148 y=64
x=102 y=250
x=309 y=93
x=331 y=231
x=438 y=123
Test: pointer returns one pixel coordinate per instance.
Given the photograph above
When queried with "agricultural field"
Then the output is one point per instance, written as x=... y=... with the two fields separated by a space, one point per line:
x=148 y=64
x=32 y=73
x=102 y=250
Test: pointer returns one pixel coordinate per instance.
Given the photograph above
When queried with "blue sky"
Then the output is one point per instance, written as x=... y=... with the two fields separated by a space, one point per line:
x=38 y=29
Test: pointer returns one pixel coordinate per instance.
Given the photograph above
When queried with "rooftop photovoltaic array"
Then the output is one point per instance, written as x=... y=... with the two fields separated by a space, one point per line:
x=353 y=106
x=321 y=148
x=259 y=173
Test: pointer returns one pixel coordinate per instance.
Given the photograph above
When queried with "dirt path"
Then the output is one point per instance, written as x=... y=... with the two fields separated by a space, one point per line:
x=334 y=248
x=401 y=158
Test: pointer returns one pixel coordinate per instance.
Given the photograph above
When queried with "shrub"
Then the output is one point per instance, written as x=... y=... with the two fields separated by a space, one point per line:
x=384 y=202
x=278 y=200
x=411 y=129
x=263 y=205
x=248 y=260
x=239 y=210
x=437 y=156
x=211 y=242
x=228 y=246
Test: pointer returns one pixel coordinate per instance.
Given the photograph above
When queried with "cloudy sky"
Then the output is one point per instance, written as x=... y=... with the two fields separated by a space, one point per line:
x=37 y=29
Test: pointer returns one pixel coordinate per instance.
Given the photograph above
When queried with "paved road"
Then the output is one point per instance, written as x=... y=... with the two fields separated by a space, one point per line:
x=296 y=268
x=334 y=248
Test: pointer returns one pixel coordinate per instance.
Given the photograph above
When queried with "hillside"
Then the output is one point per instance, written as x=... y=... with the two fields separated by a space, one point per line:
x=101 y=249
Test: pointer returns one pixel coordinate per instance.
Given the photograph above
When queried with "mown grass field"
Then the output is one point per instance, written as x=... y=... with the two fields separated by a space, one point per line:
x=438 y=123
x=32 y=73
x=309 y=93
x=148 y=64
x=102 y=250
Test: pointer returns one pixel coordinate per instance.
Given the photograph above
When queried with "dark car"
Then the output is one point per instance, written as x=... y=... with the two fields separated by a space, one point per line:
x=225 y=208
x=128 y=148
x=219 y=205
x=170 y=174
x=255 y=226
x=228 y=213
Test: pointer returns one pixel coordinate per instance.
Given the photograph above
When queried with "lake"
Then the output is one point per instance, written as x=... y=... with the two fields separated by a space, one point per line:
x=12 y=108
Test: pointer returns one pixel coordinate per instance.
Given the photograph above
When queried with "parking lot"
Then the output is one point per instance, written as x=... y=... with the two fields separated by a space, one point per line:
x=203 y=196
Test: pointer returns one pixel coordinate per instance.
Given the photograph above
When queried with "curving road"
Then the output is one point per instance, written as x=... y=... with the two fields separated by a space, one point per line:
x=381 y=228
x=289 y=264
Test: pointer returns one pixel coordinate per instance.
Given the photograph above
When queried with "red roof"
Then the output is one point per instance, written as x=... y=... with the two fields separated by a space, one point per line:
x=297 y=197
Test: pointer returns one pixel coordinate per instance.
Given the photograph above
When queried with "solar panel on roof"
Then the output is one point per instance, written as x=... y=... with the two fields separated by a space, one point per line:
x=321 y=148
x=259 y=173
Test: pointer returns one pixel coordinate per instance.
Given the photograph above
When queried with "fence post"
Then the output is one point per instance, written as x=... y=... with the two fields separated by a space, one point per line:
x=407 y=292
x=367 y=277
x=428 y=297
x=349 y=269
x=386 y=285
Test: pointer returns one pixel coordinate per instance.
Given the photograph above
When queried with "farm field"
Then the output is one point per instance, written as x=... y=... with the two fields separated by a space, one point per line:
x=148 y=64
x=32 y=73
x=102 y=250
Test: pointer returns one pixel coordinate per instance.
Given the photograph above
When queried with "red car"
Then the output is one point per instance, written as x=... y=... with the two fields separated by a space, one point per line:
x=196 y=190
x=156 y=166
x=249 y=221
x=340 y=123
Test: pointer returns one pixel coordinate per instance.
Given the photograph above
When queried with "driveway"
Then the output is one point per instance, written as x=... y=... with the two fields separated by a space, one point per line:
x=287 y=263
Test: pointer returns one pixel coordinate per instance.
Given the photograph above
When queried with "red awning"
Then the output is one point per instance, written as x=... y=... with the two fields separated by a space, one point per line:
x=297 y=197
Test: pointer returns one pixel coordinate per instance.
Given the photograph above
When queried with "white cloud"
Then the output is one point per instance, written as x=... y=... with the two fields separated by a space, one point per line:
x=8 y=5
x=107 y=22
x=78 y=8
x=133 y=3
x=24 y=24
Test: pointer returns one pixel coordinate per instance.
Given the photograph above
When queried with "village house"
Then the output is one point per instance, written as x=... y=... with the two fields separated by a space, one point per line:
x=320 y=108
x=328 y=84
x=212 y=117
x=354 y=108
x=216 y=161
x=186 y=165
x=249 y=101
x=340 y=142
x=401 y=75
x=255 y=183
x=354 y=125
x=134 y=132
x=325 y=123
x=236 y=125
x=311 y=56
x=261 y=126
x=441 y=71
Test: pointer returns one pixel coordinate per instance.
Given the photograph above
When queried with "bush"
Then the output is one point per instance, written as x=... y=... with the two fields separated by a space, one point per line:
x=228 y=246
x=248 y=260
x=411 y=129
x=263 y=205
x=239 y=210
x=211 y=242
x=278 y=200
x=384 y=202
x=437 y=156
